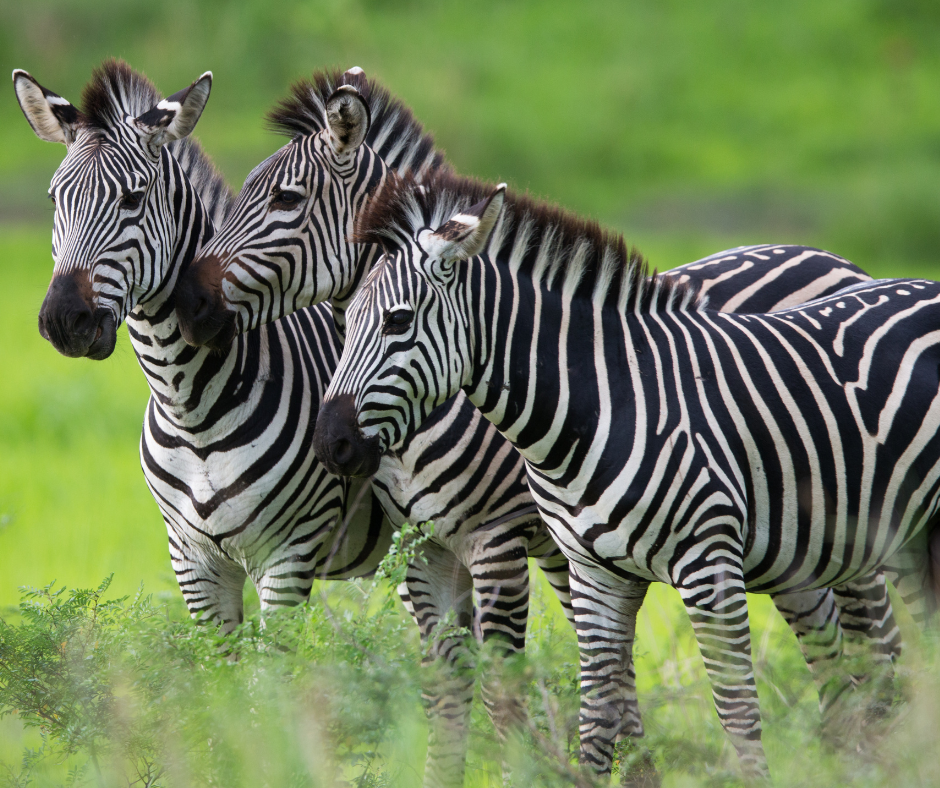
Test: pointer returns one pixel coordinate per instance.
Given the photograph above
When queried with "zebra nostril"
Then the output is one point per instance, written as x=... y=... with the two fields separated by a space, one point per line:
x=343 y=451
x=81 y=322
x=201 y=308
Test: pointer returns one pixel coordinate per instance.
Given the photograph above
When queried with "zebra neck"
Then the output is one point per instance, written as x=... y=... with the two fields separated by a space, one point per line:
x=543 y=370
x=371 y=173
x=189 y=384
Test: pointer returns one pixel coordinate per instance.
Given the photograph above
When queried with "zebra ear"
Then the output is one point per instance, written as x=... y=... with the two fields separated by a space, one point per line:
x=348 y=119
x=466 y=234
x=175 y=117
x=52 y=117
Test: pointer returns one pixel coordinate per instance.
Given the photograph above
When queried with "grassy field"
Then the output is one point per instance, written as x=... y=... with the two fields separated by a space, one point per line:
x=691 y=127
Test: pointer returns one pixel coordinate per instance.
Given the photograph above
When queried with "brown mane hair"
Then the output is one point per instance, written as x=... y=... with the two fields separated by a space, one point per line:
x=595 y=262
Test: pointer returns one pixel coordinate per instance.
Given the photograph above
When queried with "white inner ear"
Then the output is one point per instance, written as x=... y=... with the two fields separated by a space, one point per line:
x=39 y=113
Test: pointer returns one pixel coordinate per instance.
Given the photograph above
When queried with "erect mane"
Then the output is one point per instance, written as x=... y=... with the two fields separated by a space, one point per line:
x=114 y=92
x=586 y=259
x=394 y=134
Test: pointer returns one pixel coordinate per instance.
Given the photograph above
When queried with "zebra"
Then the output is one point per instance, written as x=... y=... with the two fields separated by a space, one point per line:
x=663 y=441
x=226 y=442
x=265 y=262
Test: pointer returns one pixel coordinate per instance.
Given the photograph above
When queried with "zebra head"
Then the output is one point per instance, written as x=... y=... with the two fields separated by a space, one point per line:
x=285 y=244
x=112 y=233
x=410 y=343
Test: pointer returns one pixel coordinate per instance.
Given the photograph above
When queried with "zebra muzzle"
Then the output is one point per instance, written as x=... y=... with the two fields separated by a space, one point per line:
x=339 y=443
x=71 y=324
x=202 y=315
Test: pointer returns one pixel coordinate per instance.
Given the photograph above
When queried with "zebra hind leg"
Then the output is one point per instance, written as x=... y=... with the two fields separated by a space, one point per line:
x=438 y=592
x=872 y=639
x=605 y=613
x=814 y=619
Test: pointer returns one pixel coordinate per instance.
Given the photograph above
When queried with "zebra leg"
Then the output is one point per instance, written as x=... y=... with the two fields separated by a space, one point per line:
x=814 y=619
x=500 y=574
x=211 y=584
x=555 y=569
x=715 y=599
x=605 y=619
x=438 y=592
x=872 y=635
x=278 y=591
x=641 y=771
x=913 y=570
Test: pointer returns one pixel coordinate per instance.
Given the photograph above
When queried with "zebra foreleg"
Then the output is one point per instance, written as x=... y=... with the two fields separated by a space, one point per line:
x=605 y=619
x=555 y=568
x=500 y=574
x=438 y=592
x=911 y=571
x=712 y=589
x=211 y=584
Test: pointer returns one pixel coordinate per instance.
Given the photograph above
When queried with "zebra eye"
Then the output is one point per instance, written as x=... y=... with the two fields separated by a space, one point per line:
x=285 y=201
x=52 y=197
x=397 y=322
x=131 y=200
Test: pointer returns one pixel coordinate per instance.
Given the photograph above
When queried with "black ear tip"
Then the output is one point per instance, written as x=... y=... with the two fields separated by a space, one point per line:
x=18 y=73
x=206 y=76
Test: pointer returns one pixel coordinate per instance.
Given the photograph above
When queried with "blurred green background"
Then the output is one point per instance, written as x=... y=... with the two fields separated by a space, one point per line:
x=691 y=127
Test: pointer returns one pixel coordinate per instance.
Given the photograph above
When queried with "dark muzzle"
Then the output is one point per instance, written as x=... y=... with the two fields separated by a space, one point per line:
x=203 y=316
x=339 y=443
x=71 y=323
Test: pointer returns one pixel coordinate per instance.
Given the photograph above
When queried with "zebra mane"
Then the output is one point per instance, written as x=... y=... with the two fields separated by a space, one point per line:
x=590 y=261
x=115 y=91
x=394 y=134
